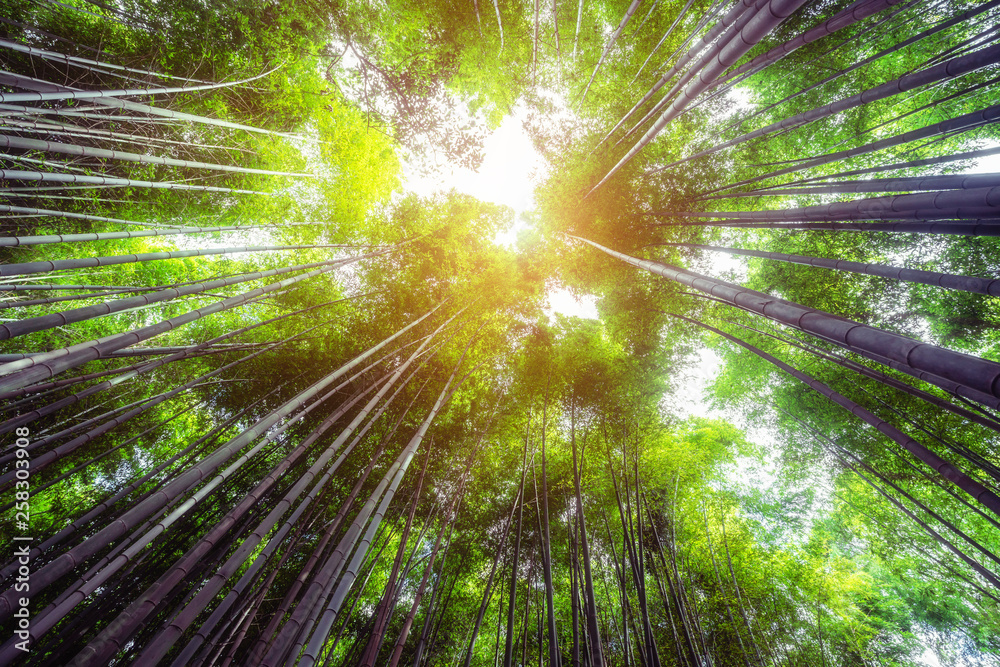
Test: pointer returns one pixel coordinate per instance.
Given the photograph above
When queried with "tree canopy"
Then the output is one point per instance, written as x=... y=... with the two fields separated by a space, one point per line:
x=265 y=404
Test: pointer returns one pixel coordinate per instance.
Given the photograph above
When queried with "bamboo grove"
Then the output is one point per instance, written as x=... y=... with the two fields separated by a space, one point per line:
x=261 y=406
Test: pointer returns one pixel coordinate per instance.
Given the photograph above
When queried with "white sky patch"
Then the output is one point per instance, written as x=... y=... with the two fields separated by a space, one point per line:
x=739 y=100
x=929 y=658
x=986 y=165
x=563 y=302
x=690 y=402
x=722 y=264
x=510 y=170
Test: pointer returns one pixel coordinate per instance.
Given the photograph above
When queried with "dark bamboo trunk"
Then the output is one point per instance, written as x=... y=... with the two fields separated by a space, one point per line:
x=593 y=632
x=371 y=650
x=46 y=575
x=989 y=499
x=512 y=595
x=934 y=278
x=732 y=47
x=980 y=375
x=942 y=72
x=964 y=122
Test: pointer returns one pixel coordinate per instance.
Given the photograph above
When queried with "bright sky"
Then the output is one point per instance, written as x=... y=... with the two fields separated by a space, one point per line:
x=563 y=302
x=507 y=175
x=510 y=170
x=988 y=164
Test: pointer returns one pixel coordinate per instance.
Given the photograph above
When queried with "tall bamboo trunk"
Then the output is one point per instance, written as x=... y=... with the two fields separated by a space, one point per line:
x=322 y=626
x=488 y=587
x=43 y=322
x=950 y=472
x=975 y=373
x=512 y=595
x=943 y=25
x=371 y=649
x=428 y=569
x=46 y=575
x=113 y=638
x=948 y=70
x=844 y=19
x=593 y=632
x=670 y=30
x=927 y=397
x=757 y=25
x=965 y=122
x=946 y=204
x=43 y=367
x=696 y=48
x=943 y=182
x=172 y=633
x=546 y=541
x=607 y=48
x=20 y=143
x=112 y=181
x=934 y=278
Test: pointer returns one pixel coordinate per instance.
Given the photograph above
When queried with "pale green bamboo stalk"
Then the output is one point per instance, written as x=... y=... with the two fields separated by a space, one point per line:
x=111 y=181
x=121 y=92
x=102 y=153
x=17 y=241
x=68 y=129
x=84 y=62
x=26 y=268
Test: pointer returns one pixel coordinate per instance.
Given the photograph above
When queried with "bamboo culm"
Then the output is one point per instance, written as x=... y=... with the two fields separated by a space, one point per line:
x=49 y=573
x=978 y=374
x=302 y=619
x=319 y=635
x=947 y=70
x=950 y=472
x=760 y=23
x=965 y=122
x=21 y=143
x=934 y=278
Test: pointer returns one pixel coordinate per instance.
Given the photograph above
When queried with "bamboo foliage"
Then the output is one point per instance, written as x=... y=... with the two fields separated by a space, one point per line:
x=745 y=33
x=965 y=283
x=956 y=371
x=949 y=69
x=241 y=493
x=607 y=47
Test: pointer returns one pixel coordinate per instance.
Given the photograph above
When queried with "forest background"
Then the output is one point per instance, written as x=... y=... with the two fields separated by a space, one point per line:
x=265 y=405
